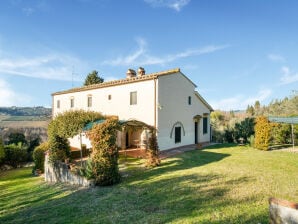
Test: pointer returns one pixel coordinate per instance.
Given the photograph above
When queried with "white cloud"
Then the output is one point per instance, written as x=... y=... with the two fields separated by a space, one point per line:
x=52 y=66
x=288 y=77
x=141 y=57
x=176 y=5
x=30 y=7
x=240 y=102
x=9 y=97
x=276 y=58
x=28 y=11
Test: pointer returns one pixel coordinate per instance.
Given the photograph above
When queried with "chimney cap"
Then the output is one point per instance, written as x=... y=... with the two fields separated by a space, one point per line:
x=130 y=73
x=141 y=71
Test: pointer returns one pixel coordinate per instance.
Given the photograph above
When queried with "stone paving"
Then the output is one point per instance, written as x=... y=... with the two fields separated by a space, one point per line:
x=141 y=153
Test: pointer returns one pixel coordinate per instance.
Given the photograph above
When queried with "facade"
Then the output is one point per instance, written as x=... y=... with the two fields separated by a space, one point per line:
x=165 y=100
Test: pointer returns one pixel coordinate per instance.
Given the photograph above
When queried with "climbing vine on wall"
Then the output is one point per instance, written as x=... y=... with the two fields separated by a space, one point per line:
x=70 y=123
x=66 y=125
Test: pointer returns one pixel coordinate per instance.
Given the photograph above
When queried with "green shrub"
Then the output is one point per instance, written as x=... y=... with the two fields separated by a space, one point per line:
x=59 y=148
x=87 y=170
x=15 y=155
x=39 y=156
x=104 y=154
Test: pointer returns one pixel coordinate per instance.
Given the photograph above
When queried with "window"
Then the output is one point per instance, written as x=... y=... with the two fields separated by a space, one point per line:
x=189 y=100
x=71 y=102
x=133 y=98
x=58 y=104
x=109 y=97
x=89 y=101
x=177 y=134
x=205 y=125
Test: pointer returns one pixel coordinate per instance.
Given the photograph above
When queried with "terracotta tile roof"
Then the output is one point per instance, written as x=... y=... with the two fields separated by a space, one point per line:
x=120 y=82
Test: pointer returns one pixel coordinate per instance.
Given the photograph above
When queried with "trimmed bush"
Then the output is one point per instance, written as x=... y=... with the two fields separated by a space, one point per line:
x=15 y=155
x=39 y=156
x=262 y=133
x=104 y=154
x=59 y=149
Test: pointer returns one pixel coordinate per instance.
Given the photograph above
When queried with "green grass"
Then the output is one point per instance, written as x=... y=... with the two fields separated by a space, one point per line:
x=220 y=184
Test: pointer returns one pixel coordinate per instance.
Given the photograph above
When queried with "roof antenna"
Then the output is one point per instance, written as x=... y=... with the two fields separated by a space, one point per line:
x=72 y=76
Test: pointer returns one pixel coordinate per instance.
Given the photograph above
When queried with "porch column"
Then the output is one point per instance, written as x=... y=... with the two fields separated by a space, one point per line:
x=123 y=138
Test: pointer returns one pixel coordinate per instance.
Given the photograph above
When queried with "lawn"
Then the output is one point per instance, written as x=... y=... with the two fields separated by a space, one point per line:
x=220 y=184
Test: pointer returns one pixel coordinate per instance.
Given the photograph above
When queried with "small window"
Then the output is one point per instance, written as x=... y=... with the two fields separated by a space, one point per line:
x=109 y=97
x=177 y=134
x=133 y=98
x=205 y=125
x=189 y=100
x=71 y=102
x=89 y=101
x=58 y=104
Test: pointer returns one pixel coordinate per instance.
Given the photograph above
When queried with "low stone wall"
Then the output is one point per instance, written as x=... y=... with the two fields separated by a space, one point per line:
x=60 y=172
x=282 y=211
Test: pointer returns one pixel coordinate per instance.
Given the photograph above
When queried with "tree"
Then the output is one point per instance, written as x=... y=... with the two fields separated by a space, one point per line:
x=244 y=129
x=15 y=154
x=16 y=138
x=262 y=133
x=257 y=107
x=93 y=78
x=250 y=110
x=153 y=151
x=2 y=153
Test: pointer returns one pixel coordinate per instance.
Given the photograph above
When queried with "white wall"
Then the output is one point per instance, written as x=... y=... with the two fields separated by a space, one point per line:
x=118 y=105
x=173 y=93
x=172 y=106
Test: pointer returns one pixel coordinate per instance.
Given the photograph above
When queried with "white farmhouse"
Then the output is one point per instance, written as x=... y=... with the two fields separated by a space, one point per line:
x=166 y=100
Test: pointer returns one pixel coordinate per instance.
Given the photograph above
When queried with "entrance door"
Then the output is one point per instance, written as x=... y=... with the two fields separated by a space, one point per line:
x=196 y=132
x=127 y=140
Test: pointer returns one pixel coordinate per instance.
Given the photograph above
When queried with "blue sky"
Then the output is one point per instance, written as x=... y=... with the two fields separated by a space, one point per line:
x=236 y=52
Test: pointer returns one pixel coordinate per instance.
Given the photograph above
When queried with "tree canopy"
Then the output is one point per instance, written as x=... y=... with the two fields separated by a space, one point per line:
x=93 y=78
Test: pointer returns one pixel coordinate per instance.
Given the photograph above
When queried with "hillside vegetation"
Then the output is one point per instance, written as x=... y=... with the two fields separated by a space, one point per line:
x=232 y=126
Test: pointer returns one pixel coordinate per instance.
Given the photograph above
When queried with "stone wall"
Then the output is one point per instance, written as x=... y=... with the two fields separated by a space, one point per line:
x=60 y=172
x=282 y=211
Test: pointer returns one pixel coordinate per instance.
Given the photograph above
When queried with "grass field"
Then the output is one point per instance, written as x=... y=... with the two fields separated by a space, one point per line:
x=220 y=184
x=8 y=121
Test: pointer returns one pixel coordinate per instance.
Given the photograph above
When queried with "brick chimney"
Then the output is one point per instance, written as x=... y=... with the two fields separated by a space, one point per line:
x=141 y=71
x=130 y=73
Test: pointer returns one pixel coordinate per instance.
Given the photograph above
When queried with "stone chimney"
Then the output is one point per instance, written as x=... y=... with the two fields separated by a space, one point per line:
x=141 y=71
x=130 y=73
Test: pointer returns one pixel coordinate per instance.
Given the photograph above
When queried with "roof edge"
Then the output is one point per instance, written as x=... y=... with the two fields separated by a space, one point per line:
x=121 y=82
x=204 y=101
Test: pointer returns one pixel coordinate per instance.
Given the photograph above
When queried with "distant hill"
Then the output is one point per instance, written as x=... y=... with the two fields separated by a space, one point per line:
x=31 y=121
x=26 y=111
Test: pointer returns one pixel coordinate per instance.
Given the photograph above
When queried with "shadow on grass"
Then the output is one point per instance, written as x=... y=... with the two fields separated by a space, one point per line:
x=174 y=192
